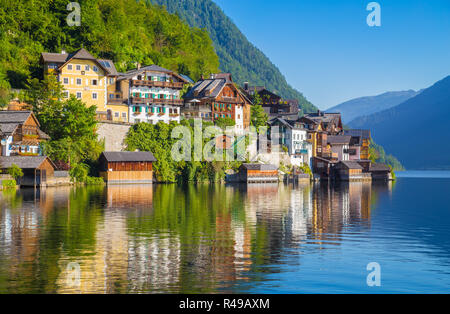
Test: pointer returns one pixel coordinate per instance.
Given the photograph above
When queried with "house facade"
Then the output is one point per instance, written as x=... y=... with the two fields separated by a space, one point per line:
x=20 y=134
x=294 y=137
x=273 y=104
x=152 y=94
x=89 y=79
x=126 y=167
x=339 y=146
x=359 y=146
x=218 y=97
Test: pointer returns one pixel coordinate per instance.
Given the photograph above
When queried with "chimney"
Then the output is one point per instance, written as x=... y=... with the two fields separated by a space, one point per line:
x=201 y=77
x=212 y=76
x=246 y=86
x=319 y=113
x=63 y=52
x=138 y=65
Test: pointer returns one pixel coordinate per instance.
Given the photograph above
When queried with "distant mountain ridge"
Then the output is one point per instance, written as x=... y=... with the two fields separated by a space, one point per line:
x=363 y=106
x=236 y=54
x=416 y=131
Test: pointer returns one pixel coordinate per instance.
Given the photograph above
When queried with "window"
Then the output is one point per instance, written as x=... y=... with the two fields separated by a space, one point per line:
x=111 y=96
x=94 y=68
x=69 y=67
x=111 y=80
x=52 y=66
x=66 y=94
x=116 y=114
x=94 y=82
x=79 y=95
x=78 y=67
x=94 y=95
x=86 y=67
x=124 y=114
x=78 y=81
x=66 y=80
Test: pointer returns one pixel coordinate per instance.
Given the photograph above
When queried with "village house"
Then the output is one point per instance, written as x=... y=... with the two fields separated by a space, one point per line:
x=294 y=137
x=359 y=144
x=218 y=97
x=330 y=122
x=273 y=104
x=37 y=170
x=350 y=170
x=126 y=167
x=317 y=137
x=258 y=173
x=89 y=79
x=339 y=146
x=152 y=94
x=20 y=134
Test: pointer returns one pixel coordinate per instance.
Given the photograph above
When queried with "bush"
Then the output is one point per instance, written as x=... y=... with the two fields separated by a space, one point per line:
x=79 y=172
x=95 y=181
x=15 y=172
x=306 y=169
x=9 y=183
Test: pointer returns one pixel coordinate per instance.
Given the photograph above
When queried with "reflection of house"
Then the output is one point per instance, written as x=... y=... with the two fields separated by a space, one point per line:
x=152 y=93
x=294 y=137
x=258 y=173
x=20 y=133
x=222 y=97
x=37 y=170
x=126 y=167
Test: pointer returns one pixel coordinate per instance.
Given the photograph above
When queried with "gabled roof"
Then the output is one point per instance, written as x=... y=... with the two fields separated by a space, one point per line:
x=292 y=124
x=261 y=167
x=365 y=134
x=24 y=162
x=63 y=58
x=338 y=139
x=129 y=156
x=350 y=164
x=109 y=66
x=378 y=167
x=151 y=68
x=10 y=121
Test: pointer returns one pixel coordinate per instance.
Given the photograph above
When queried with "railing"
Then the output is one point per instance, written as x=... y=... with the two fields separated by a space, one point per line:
x=115 y=100
x=177 y=85
x=140 y=100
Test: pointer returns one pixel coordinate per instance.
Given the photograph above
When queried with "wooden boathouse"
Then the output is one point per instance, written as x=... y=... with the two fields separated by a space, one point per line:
x=258 y=173
x=37 y=170
x=126 y=167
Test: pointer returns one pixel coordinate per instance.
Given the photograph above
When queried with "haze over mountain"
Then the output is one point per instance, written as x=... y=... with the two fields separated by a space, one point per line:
x=363 y=106
x=416 y=131
x=236 y=54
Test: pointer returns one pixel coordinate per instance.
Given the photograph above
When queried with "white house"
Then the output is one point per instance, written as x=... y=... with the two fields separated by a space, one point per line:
x=154 y=94
x=293 y=135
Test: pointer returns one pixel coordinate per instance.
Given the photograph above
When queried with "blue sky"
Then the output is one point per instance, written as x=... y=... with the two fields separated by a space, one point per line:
x=327 y=51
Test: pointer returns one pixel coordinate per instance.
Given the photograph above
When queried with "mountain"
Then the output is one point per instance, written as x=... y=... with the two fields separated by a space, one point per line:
x=236 y=54
x=364 y=106
x=126 y=31
x=416 y=131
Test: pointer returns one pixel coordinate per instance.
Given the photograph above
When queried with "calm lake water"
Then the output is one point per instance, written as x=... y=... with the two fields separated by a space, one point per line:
x=228 y=239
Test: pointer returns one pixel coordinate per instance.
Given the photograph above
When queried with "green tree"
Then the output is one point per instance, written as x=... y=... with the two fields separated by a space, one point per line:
x=258 y=116
x=15 y=171
x=223 y=123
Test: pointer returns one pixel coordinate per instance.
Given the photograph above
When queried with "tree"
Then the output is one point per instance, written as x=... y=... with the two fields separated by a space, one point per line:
x=258 y=116
x=223 y=123
x=15 y=171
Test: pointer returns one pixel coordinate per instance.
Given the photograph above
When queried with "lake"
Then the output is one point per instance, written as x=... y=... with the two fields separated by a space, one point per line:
x=268 y=238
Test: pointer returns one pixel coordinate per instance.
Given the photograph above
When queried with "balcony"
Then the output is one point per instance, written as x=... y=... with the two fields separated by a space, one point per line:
x=175 y=85
x=140 y=100
x=115 y=101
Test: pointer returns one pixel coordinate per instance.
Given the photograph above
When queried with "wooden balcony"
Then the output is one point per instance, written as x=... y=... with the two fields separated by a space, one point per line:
x=174 y=85
x=140 y=100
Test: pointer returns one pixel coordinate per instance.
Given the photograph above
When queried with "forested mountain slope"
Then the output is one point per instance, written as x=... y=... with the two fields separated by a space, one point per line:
x=236 y=54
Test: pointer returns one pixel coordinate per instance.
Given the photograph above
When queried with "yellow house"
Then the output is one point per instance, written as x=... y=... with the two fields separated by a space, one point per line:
x=91 y=80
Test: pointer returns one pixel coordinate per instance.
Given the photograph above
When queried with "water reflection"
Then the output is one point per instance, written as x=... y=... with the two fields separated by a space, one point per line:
x=168 y=238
